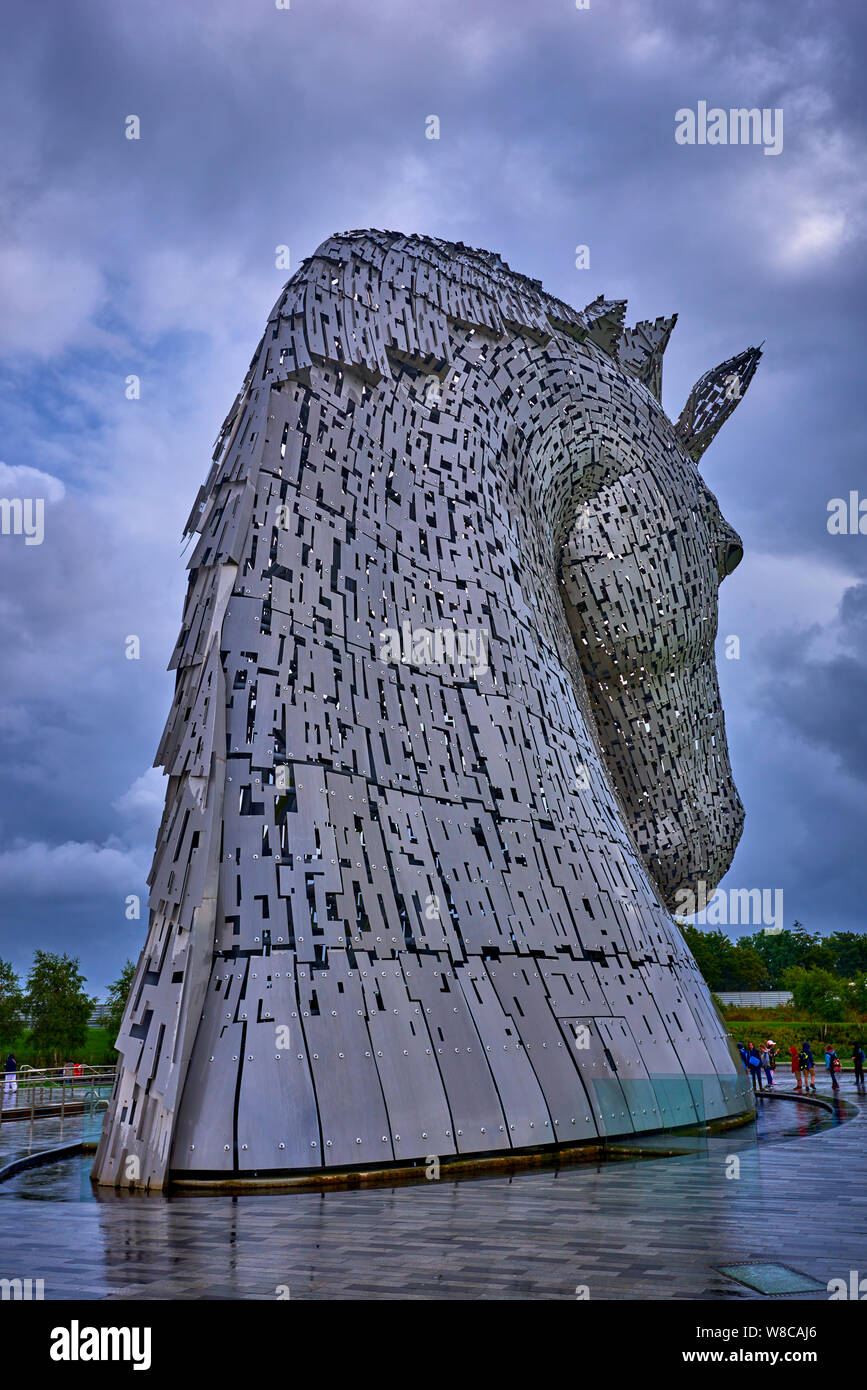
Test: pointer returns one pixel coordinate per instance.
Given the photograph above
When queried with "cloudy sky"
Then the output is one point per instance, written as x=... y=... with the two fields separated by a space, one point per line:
x=262 y=127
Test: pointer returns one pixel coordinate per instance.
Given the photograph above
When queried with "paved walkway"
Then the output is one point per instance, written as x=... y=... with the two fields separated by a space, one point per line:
x=654 y=1229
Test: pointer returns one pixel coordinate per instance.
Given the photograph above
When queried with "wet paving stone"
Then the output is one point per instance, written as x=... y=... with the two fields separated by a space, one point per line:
x=654 y=1229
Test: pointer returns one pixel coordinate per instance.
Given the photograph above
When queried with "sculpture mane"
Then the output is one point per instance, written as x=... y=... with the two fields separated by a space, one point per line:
x=403 y=902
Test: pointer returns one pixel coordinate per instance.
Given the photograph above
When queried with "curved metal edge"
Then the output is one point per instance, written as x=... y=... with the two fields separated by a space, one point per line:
x=20 y=1165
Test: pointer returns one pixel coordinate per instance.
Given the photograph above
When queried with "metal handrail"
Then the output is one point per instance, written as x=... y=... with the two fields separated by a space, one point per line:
x=63 y=1078
x=44 y=1074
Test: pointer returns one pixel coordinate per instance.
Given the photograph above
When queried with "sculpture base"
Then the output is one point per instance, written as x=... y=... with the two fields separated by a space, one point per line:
x=618 y=1149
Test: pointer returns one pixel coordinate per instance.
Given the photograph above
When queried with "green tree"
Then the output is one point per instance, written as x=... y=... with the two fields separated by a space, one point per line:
x=58 y=1006
x=818 y=993
x=859 y=992
x=746 y=969
x=11 y=1005
x=118 y=993
x=850 y=953
x=784 y=950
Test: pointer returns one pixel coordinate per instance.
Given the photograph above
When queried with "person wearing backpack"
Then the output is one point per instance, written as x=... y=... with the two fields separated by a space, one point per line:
x=858 y=1063
x=765 y=1059
x=832 y=1062
x=755 y=1063
x=809 y=1068
x=804 y=1059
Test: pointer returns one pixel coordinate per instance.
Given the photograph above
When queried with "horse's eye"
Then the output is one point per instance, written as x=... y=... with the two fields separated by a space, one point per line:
x=731 y=558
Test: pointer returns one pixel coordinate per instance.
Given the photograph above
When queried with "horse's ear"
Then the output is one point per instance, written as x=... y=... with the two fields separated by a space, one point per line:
x=605 y=319
x=641 y=349
x=712 y=400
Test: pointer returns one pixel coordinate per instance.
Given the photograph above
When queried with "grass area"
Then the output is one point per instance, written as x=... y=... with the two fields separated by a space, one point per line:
x=98 y=1050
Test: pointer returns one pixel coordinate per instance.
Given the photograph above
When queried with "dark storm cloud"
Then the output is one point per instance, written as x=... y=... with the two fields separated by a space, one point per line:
x=823 y=698
x=261 y=127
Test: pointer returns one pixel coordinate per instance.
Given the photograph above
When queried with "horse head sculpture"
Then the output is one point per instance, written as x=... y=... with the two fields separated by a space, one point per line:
x=446 y=740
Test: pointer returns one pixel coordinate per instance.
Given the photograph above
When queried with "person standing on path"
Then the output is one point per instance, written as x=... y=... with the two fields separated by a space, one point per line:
x=755 y=1062
x=765 y=1059
x=831 y=1060
x=809 y=1069
x=796 y=1065
x=858 y=1063
x=10 y=1084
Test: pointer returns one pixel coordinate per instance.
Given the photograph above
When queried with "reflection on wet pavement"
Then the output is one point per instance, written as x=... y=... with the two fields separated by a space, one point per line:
x=24 y=1137
x=646 y=1229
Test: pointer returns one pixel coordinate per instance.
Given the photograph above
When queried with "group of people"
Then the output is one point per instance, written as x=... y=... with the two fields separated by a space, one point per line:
x=757 y=1060
x=764 y=1059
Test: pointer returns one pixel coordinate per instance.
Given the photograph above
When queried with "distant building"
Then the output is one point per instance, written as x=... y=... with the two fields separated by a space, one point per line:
x=757 y=999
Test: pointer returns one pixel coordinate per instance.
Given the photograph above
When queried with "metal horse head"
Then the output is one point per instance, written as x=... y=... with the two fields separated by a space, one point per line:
x=446 y=737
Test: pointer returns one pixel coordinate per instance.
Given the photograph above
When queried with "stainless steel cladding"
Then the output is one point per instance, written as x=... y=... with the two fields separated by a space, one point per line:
x=446 y=740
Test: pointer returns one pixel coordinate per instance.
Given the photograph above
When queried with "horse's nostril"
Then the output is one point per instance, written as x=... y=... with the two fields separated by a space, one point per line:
x=732 y=558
